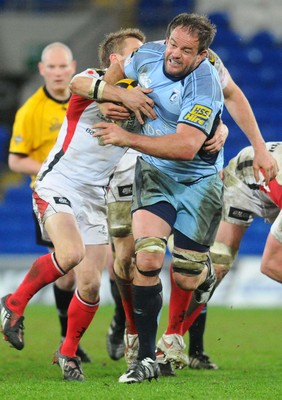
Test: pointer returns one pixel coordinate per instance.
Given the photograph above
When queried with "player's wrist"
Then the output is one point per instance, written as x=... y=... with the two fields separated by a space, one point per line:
x=96 y=89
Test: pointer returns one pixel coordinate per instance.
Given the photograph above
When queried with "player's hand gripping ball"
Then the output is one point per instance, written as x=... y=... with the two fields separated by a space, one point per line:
x=131 y=124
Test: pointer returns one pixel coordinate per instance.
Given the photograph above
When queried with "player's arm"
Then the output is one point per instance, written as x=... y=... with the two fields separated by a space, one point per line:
x=240 y=110
x=97 y=89
x=214 y=144
x=182 y=145
x=22 y=163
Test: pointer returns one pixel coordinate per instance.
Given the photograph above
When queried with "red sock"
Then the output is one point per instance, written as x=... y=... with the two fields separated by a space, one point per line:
x=80 y=315
x=43 y=271
x=126 y=298
x=130 y=322
x=178 y=305
x=189 y=319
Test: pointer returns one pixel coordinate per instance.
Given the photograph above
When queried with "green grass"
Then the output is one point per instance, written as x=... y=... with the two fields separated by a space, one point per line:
x=245 y=343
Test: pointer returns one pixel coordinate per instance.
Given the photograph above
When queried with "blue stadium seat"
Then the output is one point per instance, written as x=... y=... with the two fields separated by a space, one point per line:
x=221 y=20
x=158 y=13
x=17 y=229
x=263 y=39
x=5 y=134
x=254 y=239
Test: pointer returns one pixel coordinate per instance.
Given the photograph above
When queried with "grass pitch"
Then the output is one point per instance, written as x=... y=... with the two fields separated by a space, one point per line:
x=246 y=344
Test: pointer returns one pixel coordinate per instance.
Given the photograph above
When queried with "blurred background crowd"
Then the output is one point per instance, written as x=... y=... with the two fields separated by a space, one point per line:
x=249 y=41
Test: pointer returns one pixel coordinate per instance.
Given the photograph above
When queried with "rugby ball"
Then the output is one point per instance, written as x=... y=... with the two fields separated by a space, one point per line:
x=131 y=124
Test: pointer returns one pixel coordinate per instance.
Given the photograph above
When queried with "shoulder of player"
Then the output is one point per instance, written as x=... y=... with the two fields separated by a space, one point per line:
x=92 y=73
x=152 y=48
x=31 y=103
x=204 y=70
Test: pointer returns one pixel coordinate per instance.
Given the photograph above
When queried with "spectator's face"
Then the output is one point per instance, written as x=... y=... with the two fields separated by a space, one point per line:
x=57 y=70
x=181 y=54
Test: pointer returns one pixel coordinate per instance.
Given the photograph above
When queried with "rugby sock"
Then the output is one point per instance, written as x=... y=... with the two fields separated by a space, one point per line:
x=62 y=300
x=192 y=314
x=119 y=315
x=147 y=301
x=196 y=334
x=125 y=289
x=178 y=305
x=80 y=315
x=43 y=271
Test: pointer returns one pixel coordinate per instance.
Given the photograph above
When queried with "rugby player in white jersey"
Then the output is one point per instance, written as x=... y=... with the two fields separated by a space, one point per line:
x=70 y=202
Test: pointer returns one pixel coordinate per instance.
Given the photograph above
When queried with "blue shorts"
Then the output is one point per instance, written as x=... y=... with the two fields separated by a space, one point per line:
x=196 y=209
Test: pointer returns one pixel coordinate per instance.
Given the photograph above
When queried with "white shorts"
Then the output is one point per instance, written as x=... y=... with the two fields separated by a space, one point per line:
x=120 y=187
x=242 y=203
x=88 y=207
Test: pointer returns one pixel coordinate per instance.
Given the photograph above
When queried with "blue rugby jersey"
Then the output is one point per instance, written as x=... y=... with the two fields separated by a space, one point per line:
x=196 y=99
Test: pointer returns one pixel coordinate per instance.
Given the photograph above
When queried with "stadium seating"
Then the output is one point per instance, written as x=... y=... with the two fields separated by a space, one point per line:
x=17 y=229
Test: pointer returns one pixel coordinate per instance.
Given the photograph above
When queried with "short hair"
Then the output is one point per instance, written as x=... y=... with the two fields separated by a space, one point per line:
x=56 y=45
x=114 y=43
x=195 y=23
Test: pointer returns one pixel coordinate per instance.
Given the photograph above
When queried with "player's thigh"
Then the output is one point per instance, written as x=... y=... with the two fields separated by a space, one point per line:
x=88 y=271
x=67 y=281
x=230 y=234
x=124 y=248
x=64 y=233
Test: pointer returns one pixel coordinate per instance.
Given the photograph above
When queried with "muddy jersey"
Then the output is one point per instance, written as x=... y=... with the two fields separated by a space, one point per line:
x=195 y=100
x=77 y=155
x=216 y=61
x=243 y=167
x=245 y=198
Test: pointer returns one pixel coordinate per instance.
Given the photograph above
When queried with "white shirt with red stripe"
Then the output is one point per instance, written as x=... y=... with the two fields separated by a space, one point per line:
x=77 y=155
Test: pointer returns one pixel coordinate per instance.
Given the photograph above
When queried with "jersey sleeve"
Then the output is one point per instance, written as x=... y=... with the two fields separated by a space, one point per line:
x=202 y=101
x=92 y=73
x=21 y=140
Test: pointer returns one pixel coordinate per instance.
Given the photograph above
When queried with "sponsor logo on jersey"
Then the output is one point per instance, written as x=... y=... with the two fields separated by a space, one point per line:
x=103 y=230
x=90 y=131
x=236 y=213
x=174 y=96
x=62 y=200
x=18 y=139
x=199 y=114
x=125 y=190
x=55 y=125
x=144 y=80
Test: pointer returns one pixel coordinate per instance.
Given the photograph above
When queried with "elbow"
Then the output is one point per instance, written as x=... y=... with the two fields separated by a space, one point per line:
x=72 y=86
x=75 y=85
x=12 y=165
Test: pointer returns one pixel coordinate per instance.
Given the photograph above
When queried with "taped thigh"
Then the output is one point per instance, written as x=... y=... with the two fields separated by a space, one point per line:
x=188 y=263
x=223 y=255
x=150 y=244
x=119 y=218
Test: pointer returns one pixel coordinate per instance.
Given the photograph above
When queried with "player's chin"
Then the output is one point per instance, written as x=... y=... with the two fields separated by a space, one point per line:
x=174 y=70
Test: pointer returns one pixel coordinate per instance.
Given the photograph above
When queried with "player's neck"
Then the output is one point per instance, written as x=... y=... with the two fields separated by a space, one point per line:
x=59 y=95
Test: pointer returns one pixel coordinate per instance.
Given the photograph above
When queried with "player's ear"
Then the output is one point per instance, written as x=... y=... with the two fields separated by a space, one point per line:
x=40 y=68
x=203 y=54
x=74 y=65
x=113 y=58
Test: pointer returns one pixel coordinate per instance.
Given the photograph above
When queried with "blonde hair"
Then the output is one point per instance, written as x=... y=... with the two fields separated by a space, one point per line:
x=114 y=43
